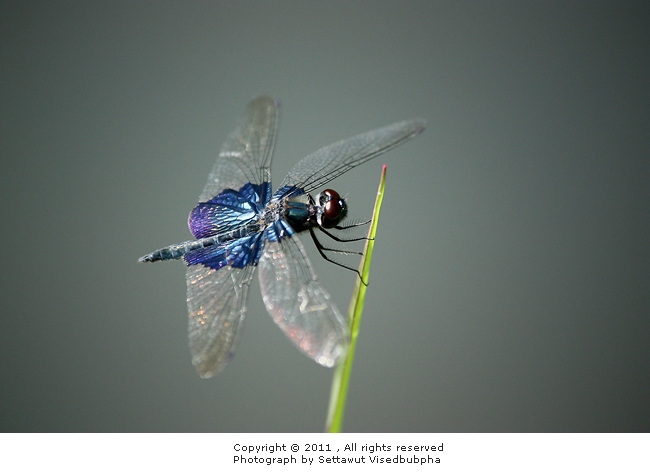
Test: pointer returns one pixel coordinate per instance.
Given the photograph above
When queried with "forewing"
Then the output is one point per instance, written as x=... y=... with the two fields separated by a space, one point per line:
x=216 y=301
x=298 y=304
x=329 y=162
x=245 y=156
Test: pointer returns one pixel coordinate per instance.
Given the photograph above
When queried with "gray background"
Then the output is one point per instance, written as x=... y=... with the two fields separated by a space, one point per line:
x=509 y=287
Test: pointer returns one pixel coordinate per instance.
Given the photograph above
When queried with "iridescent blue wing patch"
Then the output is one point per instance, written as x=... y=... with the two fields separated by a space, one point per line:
x=229 y=210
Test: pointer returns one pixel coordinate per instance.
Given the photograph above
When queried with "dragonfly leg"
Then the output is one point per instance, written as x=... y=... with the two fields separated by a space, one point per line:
x=354 y=225
x=339 y=239
x=322 y=249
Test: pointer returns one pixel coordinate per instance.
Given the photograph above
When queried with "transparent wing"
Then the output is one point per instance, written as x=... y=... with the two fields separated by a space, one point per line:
x=216 y=301
x=298 y=304
x=245 y=156
x=329 y=162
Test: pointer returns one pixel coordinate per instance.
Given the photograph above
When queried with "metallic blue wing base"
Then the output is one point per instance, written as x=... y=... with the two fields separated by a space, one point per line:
x=228 y=210
x=278 y=230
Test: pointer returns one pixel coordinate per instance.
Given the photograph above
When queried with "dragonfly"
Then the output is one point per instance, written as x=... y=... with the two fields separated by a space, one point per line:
x=240 y=226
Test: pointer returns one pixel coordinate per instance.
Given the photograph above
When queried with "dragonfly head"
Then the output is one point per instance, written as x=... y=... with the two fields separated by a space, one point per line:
x=333 y=208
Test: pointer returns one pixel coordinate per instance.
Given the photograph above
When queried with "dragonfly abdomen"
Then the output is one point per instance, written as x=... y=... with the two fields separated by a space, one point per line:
x=177 y=251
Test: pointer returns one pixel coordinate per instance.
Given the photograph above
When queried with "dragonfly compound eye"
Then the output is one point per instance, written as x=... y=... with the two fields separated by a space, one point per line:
x=334 y=208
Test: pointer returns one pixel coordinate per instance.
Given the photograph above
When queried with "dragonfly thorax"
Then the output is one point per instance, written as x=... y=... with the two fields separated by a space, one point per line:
x=326 y=211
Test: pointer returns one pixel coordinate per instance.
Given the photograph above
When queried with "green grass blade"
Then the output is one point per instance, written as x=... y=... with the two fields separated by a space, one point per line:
x=342 y=373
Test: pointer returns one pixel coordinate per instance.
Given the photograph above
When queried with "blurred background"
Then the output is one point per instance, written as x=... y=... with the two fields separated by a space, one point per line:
x=509 y=289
